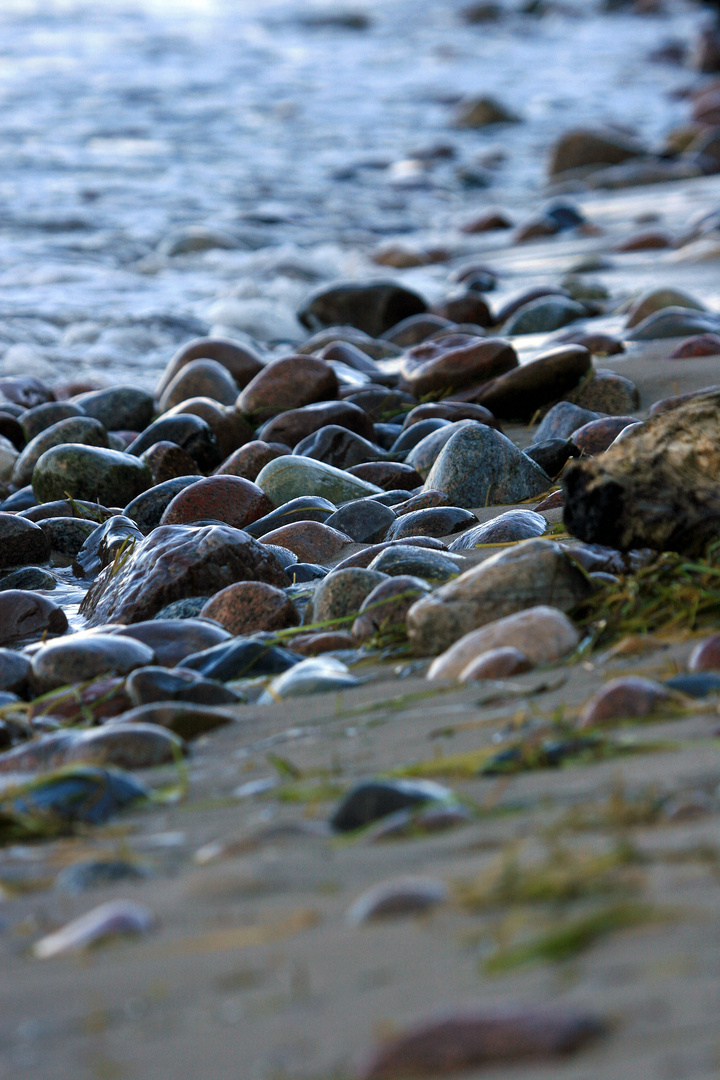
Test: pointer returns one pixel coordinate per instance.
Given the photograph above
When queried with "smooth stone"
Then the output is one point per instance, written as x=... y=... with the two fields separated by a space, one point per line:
x=188 y=431
x=431 y=521
x=397 y=898
x=552 y=455
x=239 y=659
x=315 y=644
x=25 y=390
x=176 y=562
x=608 y=393
x=147 y=509
x=367 y=554
x=380 y=403
x=460 y=1039
x=338 y=447
x=653 y=300
x=118 y=408
x=88 y=874
x=363 y=520
x=14 y=672
x=104 y=544
x=167 y=461
x=407 y=559
x=423 y=456
x=87 y=794
x=144 y=747
x=82 y=657
x=384 y=609
x=697 y=345
x=291 y=476
x=19 y=500
x=348 y=360
x=249 y=606
x=371 y=800
x=696 y=684
x=388 y=475
x=627 y=698
x=479 y=467
x=82 y=703
x=89 y=472
x=535 y=572
x=520 y=393
x=150 y=684
x=303 y=572
x=374 y=307
x=200 y=378
x=189 y=608
x=500 y=663
x=230 y=428
x=117 y=918
x=342 y=593
x=79 y=508
x=422 y=501
x=287 y=383
x=673 y=322
x=229 y=499
x=449 y=410
x=26 y=614
x=377 y=349
x=316 y=675
x=184 y=720
x=582 y=148
x=77 y=429
x=294 y=425
x=173 y=639
x=704 y=657
x=66 y=535
x=506 y=528
x=562 y=420
x=13 y=439
x=21 y=542
x=454 y=361
x=303 y=508
x=310 y=541
x=545 y=314
x=410 y=437
x=41 y=417
x=542 y=634
x=595 y=341
x=598 y=435
x=241 y=362
x=248 y=460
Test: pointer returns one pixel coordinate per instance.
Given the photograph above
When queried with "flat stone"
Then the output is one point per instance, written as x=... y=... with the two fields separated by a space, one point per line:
x=315 y=675
x=397 y=898
x=117 y=918
x=291 y=476
x=89 y=472
x=83 y=793
x=249 y=606
x=506 y=528
x=185 y=720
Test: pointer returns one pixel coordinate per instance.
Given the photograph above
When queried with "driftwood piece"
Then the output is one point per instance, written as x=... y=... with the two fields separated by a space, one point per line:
x=658 y=488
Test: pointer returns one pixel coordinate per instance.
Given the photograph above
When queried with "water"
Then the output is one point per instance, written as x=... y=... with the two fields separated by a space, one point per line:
x=293 y=146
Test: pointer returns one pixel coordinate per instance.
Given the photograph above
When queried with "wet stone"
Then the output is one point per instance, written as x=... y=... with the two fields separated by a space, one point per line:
x=188 y=608
x=423 y=456
x=35 y=420
x=186 y=430
x=562 y=420
x=89 y=472
x=14 y=672
x=480 y=467
x=249 y=459
x=29 y=577
x=367 y=554
x=148 y=508
x=596 y=437
x=245 y=658
x=66 y=535
x=338 y=447
x=506 y=528
x=384 y=435
x=79 y=508
x=118 y=408
x=19 y=500
x=229 y=427
x=21 y=542
x=520 y=393
x=176 y=562
x=25 y=390
x=422 y=501
x=173 y=639
x=384 y=609
x=86 y=656
x=552 y=454
x=696 y=684
x=200 y=378
x=104 y=544
x=250 y=606
x=287 y=383
x=302 y=508
x=416 y=562
x=230 y=499
x=382 y=404
x=150 y=684
x=388 y=475
x=342 y=593
x=410 y=437
x=289 y=477
x=371 y=800
x=363 y=520
x=310 y=541
x=697 y=345
x=167 y=461
x=432 y=521
x=453 y=361
x=241 y=362
x=374 y=308
x=79 y=429
x=294 y=425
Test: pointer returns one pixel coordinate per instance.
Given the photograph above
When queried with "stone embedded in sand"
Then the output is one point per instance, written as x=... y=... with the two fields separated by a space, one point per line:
x=674 y=322
x=506 y=528
x=292 y=476
x=542 y=634
x=184 y=719
x=89 y=472
x=583 y=149
x=287 y=383
x=150 y=684
x=627 y=698
x=200 y=378
x=86 y=656
x=454 y=360
x=462 y=1040
x=374 y=307
x=21 y=542
x=483 y=111
x=500 y=663
x=76 y=429
x=697 y=345
x=342 y=593
x=397 y=898
x=311 y=541
x=520 y=393
x=384 y=609
x=371 y=800
x=315 y=675
x=432 y=521
x=116 y=918
x=323 y=642
x=23 y=614
x=479 y=467
x=653 y=300
x=545 y=314
x=176 y=562
x=536 y=572
x=231 y=499
x=706 y=655
x=249 y=606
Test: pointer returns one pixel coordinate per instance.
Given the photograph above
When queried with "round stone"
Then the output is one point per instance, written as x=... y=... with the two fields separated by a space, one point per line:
x=291 y=476
x=86 y=656
x=384 y=609
x=432 y=521
x=230 y=499
x=248 y=460
x=89 y=472
x=22 y=542
x=148 y=508
x=311 y=541
x=118 y=408
x=200 y=378
x=27 y=614
x=76 y=429
x=287 y=383
x=294 y=425
x=341 y=594
x=506 y=528
x=251 y=606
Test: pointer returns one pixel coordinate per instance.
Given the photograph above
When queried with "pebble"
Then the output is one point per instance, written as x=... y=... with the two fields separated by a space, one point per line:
x=230 y=499
x=453 y=361
x=148 y=508
x=673 y=322
x=240 y=658
x=14 y=671
x=697 y=345
x=228 y=426
x=23 y=614
x=248 y=460
x=424 y=454
x=181 y=719
x=653 y=300
x=535 y=572
x=188 y=431
x=249 y=606
x=309 y=540
x=287 y=383
x=595 y=437
x=374 y=308
x=388 y=475
x=342 y=593
x=544 y=314
x=506 y=528
x=150 y=684
x=627 y=698
x=397 y=898
x=383 y=610
x=117 y=918
x=465 y=1039
x=542 y=634
x=86 y=656
x=338 y=447
x=200 y=378
x=21 y=542
x=117 y=408
x=242 y=362
x=87 y=794
x=294 y=425
x=28 y=577
x=77 y=429
x=41 y=417
x=302 y=508
x=586 y=149
x=704 y=657
x=371 y=800
x=479 y=467
x=25 y=390
x=175 y=562
x=552 y=455
x=562 y=420
x=450 y=410
x=367 y=554
x=364 y=520
x=89 y=472
x=316 y=675
x=518 y=394
x=292 y=476
x=432 y=521
x=98 y=699
x=407 y=559
x=88 y=874
x=499 y=663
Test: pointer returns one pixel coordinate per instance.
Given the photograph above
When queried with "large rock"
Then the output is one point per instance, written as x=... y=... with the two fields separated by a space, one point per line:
x=480 y=467
x=175 y=562
x=89 y=472
x=373 y=307
x=535 y=572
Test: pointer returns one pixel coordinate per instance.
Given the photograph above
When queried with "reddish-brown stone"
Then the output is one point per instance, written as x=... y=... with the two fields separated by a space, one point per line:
x=250 y=606
x=595 y=437
x=385 y=608
x=645 y=241
x=623 y=699
x=490 y=221
x=167 y=460
x=231 y=499
x=251 y=458
x=311 y=541
x=288 y=383
x=452 y=411
x=518 y=394
x=465 y=307
x=706 y=655
x=422 y=501
x=552 y=502
x=98 y=700
x=315 y=644
x=296 y=424
x=497 y=663
x=230 y=427
x=388 y=475
x=240 y=361
x=595 y=342
x=700 y=345
x=455 y=361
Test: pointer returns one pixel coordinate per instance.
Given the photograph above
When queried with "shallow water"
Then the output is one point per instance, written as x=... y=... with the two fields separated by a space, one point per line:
x=125 y=120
